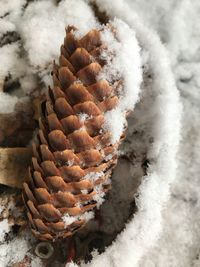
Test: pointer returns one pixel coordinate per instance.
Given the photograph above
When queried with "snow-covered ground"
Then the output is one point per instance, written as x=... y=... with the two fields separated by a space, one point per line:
x=177 y=22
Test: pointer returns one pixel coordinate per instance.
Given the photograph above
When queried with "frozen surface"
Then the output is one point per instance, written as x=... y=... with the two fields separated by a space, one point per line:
x=174 y=240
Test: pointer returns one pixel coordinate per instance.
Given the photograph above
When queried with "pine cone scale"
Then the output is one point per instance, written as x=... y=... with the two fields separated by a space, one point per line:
x=80 y=59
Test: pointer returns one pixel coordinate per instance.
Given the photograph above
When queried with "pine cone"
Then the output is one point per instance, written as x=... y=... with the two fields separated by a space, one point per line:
x=74 y=157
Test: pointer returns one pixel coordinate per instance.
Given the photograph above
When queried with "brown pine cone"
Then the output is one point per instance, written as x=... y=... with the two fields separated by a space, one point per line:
x=74 y=157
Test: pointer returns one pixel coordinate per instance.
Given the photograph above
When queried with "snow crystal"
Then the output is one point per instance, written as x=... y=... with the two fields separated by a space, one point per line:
x=78 y=204
x=108 y=157
x=87 y=216
x=83 y=116
x=99 y=196
x=93 y=176
x=84 y=191
x=70 y=162
x=67 y=219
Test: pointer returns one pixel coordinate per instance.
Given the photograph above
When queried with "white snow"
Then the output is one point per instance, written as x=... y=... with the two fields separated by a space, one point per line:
x=115 y=122
x=14 y=251
x=15 y=6
x=69 y=162
x=84 y=191
x=36 y=262
x=99 y=197
x=83 y=117
x=123 y=63
x=7 y=103
x=108 y=157
x=88 y=215
x=10 y=61
x=67 y=219
x=93 y=176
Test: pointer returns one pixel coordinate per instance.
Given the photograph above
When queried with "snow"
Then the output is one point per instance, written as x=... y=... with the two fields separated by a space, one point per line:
x=67 y=219
x=14 y=251
x=99 y=197
x=36 y=262
x=108 y=157
x=10 y=61
x=88 y=216
x=69 y=162
x=83 y=117
x=71 y=264
x=93 y=176
x=123 y=63
x=84 y=191
x=115 y=123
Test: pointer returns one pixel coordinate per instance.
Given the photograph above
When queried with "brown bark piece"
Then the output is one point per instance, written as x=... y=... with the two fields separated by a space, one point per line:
x=14 y=164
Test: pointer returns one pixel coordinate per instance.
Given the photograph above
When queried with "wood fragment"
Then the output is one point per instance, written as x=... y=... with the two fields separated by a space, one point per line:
x=14 y=164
